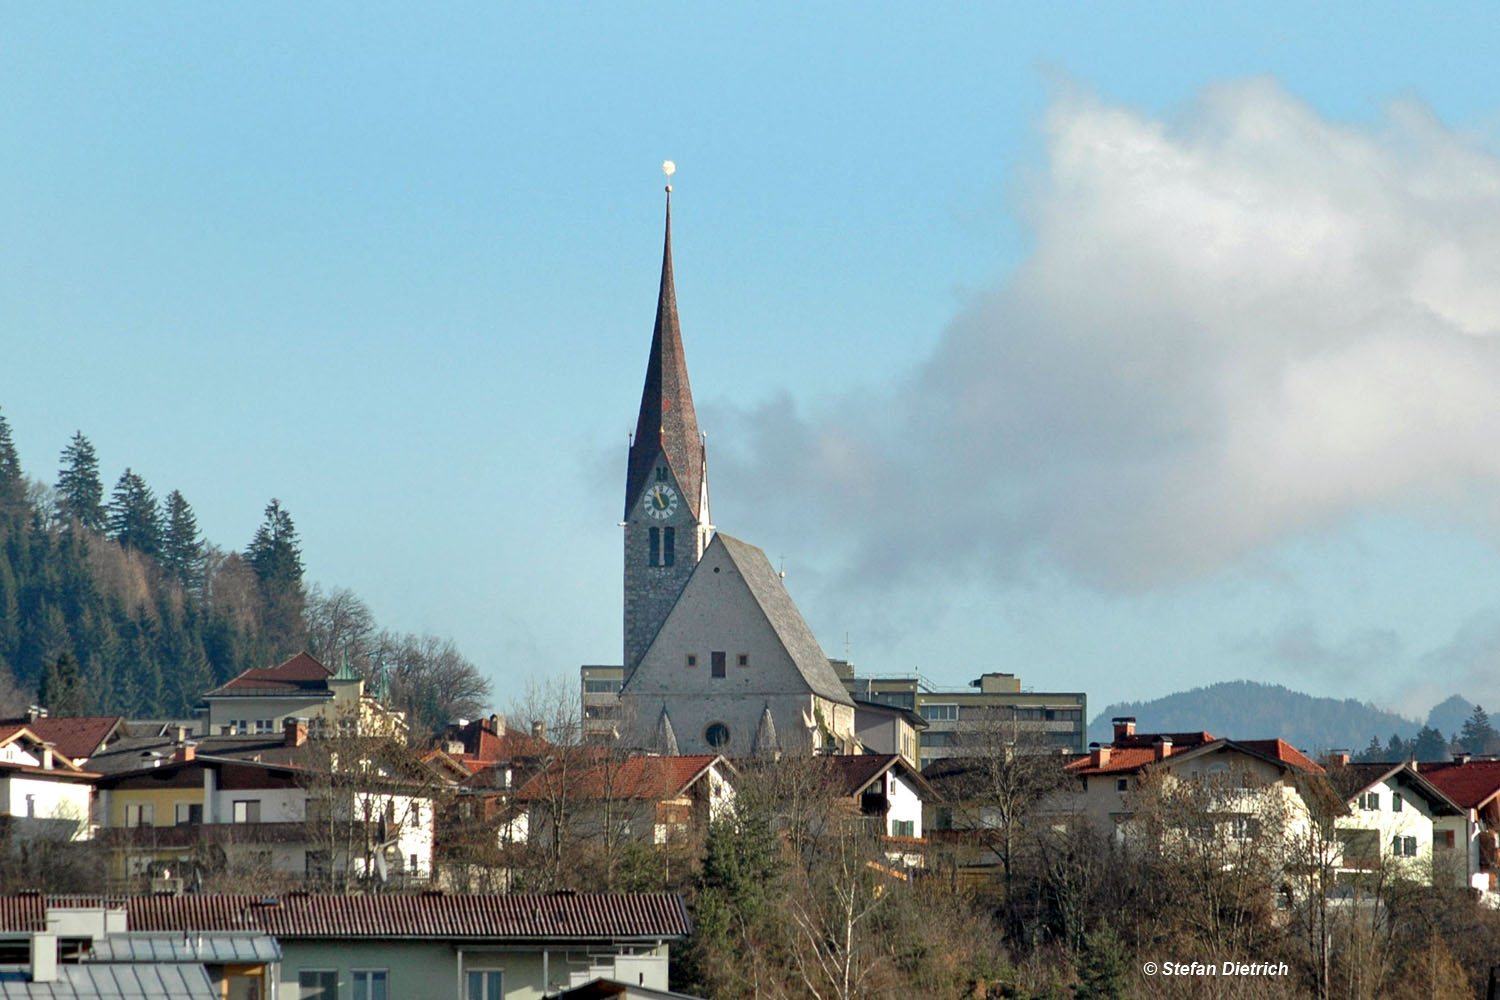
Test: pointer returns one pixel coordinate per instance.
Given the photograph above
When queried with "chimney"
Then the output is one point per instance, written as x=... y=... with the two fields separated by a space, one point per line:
x=294 y=732
x=1163 y=747
x=1339 y=758
x=1461 y=758
x=43 y=957
x=47 y=761
x=497 y=725
x=179 y=734
x=1098 y=756
x=186 y=752
x=1124 y=727
x=539 y=729
x=34 y=712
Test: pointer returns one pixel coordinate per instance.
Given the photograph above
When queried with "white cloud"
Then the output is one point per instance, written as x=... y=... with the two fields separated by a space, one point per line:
x=1237 y=325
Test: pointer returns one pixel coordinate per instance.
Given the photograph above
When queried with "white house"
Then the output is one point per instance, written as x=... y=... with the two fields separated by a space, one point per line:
x=1398 y=821
x=40 y=787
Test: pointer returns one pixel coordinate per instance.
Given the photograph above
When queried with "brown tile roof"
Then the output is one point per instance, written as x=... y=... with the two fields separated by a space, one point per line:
x=520 y=917
x=1470 y=784
x=483 y=746
x=1141 y=753
x=78 y=737
x=640 y=777
x=851 y=774
x=299 y=675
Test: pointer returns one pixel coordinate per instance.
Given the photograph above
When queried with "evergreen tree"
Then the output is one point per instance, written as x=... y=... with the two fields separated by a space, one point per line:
x=276 y=559
x=1103 y=971
x=1371 y=754
x=80 y=494
x=274 y=553
x=1396 y=749
x=1430 y=745
x=134 y=521
x=1477 y=735
x=181 y=546
x=12 y=482
x=62 y=691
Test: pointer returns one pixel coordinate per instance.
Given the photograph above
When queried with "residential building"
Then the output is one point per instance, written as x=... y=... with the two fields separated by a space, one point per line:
x=88 y=952
x=41 y=790
x=652 y=799
x=994 y=711
x=1397 y=820
x=1474 y=785
x=601 y=702
x=885 y=792
x=423 y=947
x=1243 y=785
x=260 y=700
x=270 y=807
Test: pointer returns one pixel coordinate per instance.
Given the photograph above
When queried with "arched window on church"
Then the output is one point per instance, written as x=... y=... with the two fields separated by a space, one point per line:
x=653 y=558
x=668 y=546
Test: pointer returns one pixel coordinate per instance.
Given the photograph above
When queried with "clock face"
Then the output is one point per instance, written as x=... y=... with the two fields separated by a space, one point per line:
x=660 y=501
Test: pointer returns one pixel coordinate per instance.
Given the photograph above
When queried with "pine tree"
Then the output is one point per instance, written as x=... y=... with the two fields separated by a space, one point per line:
x=133 y=518
x=181 y=546
x=1478 y=735
x=1103 y=971
x=80 y=494
x=274 y=553
x=62 y=690
x=276 y=559
x=12 y=482
x=1429 y=745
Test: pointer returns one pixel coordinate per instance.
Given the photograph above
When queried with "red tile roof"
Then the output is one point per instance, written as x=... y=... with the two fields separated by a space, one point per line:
x=1141 y=753
x=524 y=917
x=641 y=777
x=483 y=746
x=76 y=737
x=300 y=674
x=1470 y=784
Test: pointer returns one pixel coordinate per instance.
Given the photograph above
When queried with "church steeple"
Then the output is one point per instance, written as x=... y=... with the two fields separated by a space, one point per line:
x=667 y=424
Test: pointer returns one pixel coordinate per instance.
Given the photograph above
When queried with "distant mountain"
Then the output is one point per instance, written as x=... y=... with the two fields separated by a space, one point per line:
x=1249 y=710
x=1448 y=717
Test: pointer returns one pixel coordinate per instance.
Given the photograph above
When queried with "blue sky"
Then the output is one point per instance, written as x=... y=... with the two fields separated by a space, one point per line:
x=1123 y=347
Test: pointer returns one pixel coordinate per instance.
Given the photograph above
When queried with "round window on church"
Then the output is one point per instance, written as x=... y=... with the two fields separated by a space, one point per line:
x=717 y=734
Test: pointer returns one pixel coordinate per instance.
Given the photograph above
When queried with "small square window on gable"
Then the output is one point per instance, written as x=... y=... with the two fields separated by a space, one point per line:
x=692 y=660
x=743 y=659
x=661 y=473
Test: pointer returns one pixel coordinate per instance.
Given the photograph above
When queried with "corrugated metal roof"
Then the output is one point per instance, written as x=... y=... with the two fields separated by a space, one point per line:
x=217 y=949
x=109 y=981
x=521 y=917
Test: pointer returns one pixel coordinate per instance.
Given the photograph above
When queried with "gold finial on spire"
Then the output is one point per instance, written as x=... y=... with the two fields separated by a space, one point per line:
x=669 y=168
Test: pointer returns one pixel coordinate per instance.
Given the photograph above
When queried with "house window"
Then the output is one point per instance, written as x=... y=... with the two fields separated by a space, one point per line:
x=692 y=660
x=189 y=812
x=940 y=713
x=1243 y=827
x=1396 y=802
x=140 y=814
x=247 y=811
x=940 y=739
x=369 y=984
x=903 y=828
x=668 y=546
x=718 y=663
x=1404 y=847
x=486 y=984
x=601 y=687
x=1122 y=784
x=1442 y=838
x=717 y=734
x=317 y=984
x=743 y=659
x=1370 y=801
x=30 y=806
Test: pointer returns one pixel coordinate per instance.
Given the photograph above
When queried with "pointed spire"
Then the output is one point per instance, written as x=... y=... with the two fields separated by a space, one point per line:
x=765 y=735
x=667 y=423
x=346 y=671
x=665 y=740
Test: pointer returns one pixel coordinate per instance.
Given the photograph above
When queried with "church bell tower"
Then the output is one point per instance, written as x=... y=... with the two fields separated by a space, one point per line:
x=667 y=526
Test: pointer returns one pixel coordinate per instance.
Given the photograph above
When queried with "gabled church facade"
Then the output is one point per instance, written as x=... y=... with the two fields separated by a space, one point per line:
x=717 y=657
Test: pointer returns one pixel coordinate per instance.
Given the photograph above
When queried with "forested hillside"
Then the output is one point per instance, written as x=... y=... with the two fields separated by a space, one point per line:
x=117 y=604
x=1250 y=710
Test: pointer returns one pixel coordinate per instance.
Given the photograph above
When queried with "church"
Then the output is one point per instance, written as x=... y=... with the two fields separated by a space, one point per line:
x=717 y=658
